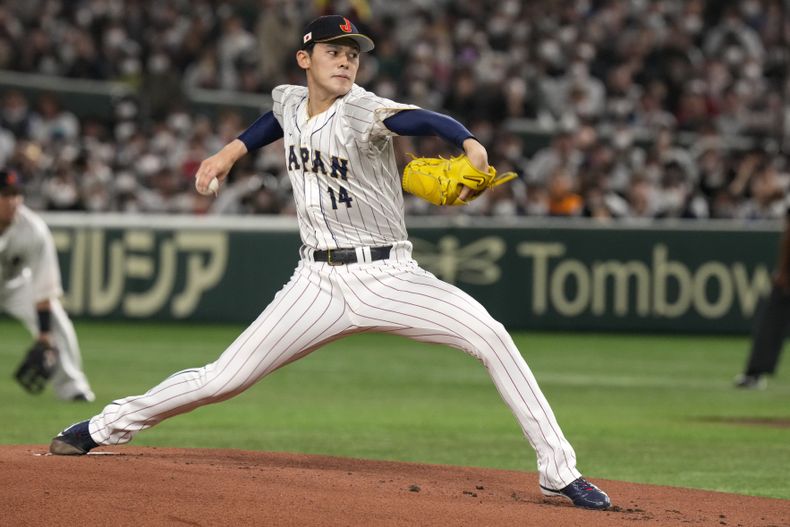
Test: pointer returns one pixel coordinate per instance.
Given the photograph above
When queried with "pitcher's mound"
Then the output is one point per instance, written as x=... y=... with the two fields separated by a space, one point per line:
x=166 y=486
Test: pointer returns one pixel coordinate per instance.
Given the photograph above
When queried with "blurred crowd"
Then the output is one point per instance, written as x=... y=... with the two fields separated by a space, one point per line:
x=646 y=109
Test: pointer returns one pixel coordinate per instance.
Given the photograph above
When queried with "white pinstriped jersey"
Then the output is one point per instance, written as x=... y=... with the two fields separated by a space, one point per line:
x=341 y=163
x=348 y=194
x=27 y=252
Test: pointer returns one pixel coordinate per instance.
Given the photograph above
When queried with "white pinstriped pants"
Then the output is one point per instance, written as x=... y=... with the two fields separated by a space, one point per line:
x=322 y=303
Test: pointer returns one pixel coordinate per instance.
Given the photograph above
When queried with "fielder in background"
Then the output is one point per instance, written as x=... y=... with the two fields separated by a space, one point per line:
x=356 y=272
x=772 y=322
x=30 y=290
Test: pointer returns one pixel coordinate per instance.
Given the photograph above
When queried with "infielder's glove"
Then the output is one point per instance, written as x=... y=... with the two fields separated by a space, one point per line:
x=439 y=180
x=37 y=367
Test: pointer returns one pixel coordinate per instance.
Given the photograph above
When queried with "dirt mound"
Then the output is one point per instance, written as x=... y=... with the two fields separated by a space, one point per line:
x=165 y=486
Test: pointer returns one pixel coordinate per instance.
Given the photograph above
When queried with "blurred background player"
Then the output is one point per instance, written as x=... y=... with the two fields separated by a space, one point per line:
x=30 y=289
x=771 y=324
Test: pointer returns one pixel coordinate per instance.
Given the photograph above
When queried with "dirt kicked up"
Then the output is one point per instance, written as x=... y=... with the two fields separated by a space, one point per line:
x=163 y=486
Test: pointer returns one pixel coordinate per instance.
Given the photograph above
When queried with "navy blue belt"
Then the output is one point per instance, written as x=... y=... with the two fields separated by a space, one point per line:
x=349 y=256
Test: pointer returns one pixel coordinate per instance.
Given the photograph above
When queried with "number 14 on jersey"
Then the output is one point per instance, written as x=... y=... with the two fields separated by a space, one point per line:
x=342 y=197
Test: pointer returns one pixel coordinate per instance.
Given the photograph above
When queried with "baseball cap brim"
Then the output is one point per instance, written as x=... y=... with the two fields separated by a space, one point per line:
x=365 y=43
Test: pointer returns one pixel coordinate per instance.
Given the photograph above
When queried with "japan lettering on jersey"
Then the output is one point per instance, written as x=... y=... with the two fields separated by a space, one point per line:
x=341 y=163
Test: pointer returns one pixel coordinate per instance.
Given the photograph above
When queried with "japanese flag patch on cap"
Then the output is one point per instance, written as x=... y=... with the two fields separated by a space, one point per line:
x=334 y=27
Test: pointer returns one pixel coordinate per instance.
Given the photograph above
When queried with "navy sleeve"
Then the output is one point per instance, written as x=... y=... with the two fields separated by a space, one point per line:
x=262 y=132
x=426 y=122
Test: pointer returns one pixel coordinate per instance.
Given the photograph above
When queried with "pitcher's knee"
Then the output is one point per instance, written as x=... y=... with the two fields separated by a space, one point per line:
x=494 y=340
x=494 y=333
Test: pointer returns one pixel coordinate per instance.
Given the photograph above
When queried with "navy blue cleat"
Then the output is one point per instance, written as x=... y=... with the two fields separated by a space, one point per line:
x=582 y=493
x=76 y=440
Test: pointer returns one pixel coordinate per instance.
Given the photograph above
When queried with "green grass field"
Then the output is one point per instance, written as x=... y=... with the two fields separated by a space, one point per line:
x=650 y=409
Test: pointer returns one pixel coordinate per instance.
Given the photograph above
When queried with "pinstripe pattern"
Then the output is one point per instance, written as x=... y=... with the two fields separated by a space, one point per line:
x=322 y=303
x=351 y=131
x=348 y=194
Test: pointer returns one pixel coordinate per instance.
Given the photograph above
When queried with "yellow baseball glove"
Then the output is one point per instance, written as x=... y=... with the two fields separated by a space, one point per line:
x=439 y=180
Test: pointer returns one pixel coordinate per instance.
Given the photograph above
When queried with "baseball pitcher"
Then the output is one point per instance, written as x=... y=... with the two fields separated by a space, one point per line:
x=355 y=271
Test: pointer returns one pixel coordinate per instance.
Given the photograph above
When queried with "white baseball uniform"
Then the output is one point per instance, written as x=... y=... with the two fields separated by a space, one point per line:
x=29 y=273
x=348 y=195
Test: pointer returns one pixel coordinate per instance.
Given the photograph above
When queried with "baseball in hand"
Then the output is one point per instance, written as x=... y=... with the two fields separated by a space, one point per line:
x=213 y=187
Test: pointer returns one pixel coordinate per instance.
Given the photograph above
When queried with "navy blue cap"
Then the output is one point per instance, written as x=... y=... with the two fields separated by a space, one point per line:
x=9 y=182
x=334 y=27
